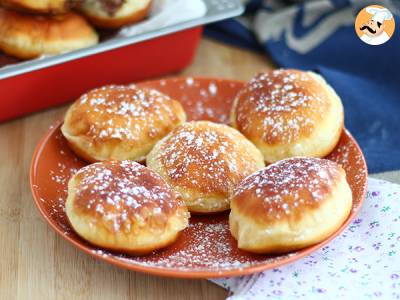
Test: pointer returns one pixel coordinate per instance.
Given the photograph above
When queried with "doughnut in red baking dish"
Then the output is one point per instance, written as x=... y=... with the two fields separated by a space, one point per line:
x=28 y=36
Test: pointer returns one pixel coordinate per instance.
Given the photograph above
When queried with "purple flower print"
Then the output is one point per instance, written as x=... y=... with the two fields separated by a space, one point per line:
x=277 y=292
x=271 y=282
x=353 y=260
x=351 y=228
x=378 y=294
x=373 y=224
x=311 y=263
x=359 y=248
x=362 y=261
x=353 y=270
x=276 y=270
x=377 y=246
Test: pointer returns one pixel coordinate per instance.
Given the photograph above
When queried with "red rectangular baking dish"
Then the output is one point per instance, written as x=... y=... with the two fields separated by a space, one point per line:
x=32 y=86
x=58 y=84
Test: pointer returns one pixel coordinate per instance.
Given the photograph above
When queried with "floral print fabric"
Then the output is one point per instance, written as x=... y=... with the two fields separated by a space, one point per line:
x=362 y=263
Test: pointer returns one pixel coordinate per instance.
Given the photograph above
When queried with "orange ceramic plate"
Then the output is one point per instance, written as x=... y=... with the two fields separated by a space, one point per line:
x=205 y=249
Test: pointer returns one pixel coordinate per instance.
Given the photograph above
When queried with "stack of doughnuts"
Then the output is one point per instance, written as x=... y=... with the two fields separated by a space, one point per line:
x=30 y=29
x=287 y=119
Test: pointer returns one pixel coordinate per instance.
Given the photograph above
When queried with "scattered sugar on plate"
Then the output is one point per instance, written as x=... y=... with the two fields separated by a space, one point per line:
x=204 y=246
x=189 y=81
x=212 y=88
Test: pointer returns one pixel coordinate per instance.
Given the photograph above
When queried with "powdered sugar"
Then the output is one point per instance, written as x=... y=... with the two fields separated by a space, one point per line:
x=212 y=88
x=208 y=157
x=289 y=185
x=118 y=191
x=208 y=246
x=195 y=250
x=123 y=113
x=286 y=103
x=347 y=155
x=199 y=97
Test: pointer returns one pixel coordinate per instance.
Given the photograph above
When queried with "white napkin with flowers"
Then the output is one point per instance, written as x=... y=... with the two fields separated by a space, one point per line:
x=362 y=263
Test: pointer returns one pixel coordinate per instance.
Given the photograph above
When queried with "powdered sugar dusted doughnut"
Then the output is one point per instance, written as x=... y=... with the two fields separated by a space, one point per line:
x=290 y=205
x=124 y=206
x=120 y=122
x=288 y=113
x=204 y=161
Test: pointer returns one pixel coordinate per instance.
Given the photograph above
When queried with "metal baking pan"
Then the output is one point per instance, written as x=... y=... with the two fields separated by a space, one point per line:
x=33 y=85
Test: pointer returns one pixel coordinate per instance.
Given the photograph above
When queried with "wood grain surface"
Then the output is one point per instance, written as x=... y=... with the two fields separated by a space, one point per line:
x=35 y=263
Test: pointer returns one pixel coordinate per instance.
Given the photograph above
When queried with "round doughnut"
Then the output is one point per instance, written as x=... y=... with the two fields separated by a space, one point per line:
x=120 y=122
x=204 y=161
x=115 y=13
x=288 y=113
x=123 y=206
x=28 y=36
x=40 y=6
x=289 y=205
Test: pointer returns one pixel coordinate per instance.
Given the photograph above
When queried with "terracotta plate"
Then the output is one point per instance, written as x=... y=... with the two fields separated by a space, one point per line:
x=205 y=249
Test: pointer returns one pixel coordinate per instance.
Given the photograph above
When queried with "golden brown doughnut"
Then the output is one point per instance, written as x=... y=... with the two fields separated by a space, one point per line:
x=289 y=205
x=120 y=122
x=27 y=36
x=288 y=113
x=40 y=6
x=204 y=161
x=124 y=206
x=115 y=13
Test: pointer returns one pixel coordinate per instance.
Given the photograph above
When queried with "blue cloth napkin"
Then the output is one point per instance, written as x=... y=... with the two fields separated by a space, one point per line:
x=319 y=35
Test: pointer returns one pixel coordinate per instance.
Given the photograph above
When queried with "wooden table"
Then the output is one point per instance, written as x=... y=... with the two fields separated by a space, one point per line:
x=36 y=263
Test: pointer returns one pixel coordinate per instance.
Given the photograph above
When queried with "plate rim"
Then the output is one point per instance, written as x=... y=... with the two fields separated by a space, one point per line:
x=187 y=273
